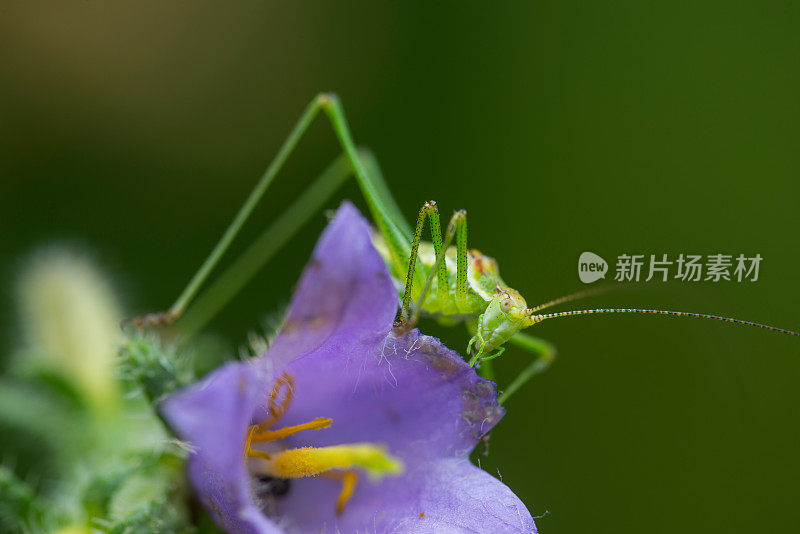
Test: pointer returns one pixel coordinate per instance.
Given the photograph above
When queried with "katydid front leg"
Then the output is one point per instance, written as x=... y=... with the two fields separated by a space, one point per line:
x=430 y=212
x=545 y=354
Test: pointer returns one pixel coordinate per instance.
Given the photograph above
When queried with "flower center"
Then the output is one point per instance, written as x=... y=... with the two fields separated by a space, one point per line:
x=337 y=462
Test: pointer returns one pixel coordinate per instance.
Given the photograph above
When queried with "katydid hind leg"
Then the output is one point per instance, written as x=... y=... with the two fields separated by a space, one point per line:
x=275 y=237
x=375 y=175
x=386 y=219
x=272 y=239
x=384 y=210
x=189 y=292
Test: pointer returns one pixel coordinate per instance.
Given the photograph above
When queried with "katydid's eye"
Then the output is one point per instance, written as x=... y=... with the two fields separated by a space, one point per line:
x=505 y=305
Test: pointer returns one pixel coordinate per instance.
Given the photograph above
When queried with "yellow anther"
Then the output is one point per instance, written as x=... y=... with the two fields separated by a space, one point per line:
x=349 y=479
x=249 y=452
x=255 y=453
x=256 y=435
x=311 y=461
x=271 y=435
x=276 y=409
x=278 y=405
x=248 y=440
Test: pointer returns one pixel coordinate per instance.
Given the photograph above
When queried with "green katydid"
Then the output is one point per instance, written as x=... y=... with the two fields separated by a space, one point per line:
x=451 y=283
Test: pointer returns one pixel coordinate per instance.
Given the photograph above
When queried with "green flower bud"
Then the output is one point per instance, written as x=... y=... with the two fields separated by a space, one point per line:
x=70 y=319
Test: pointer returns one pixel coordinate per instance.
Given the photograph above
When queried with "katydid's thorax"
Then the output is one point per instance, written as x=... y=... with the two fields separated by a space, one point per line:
x=483 y=281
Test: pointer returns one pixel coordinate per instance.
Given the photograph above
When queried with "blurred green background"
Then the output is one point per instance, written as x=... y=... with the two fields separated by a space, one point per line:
x=135 y=130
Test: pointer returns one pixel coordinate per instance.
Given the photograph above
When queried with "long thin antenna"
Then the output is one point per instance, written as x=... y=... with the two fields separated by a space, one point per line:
x=597 y=290
x=539 y=318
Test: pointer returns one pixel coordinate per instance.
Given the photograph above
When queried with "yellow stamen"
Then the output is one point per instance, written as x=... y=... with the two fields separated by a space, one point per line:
x=271 y=435
x=276 y=410
x=256 y=435
x=249 y=452
x=349 y=479
x=335 y=462
x=248 y=440
x=255 y=453
x=311 y=461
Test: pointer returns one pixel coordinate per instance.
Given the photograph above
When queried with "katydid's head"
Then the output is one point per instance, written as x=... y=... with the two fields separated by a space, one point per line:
x=505 y=315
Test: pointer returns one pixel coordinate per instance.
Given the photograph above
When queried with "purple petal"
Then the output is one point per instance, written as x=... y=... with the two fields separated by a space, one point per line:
x=454 y=496
x=344 y=288
x=213 y=416
x=410 y=393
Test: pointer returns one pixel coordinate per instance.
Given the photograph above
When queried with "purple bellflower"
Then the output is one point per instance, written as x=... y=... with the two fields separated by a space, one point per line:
x=282 y=443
